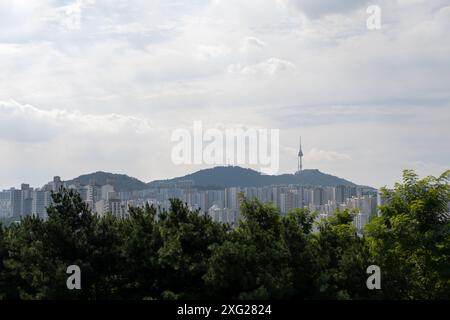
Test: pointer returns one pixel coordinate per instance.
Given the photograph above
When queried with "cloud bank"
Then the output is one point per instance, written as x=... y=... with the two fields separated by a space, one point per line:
x=89 y=85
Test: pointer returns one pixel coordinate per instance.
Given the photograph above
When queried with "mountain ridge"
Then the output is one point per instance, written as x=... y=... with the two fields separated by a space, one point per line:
x=234 y=176
x=217 y=177
x=122 y=182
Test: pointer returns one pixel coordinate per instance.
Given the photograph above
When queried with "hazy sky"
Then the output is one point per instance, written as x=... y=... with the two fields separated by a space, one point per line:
x=93 y=85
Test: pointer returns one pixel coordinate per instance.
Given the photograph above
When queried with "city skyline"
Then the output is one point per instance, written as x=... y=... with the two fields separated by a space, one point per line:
x=221 y=204
x=100 y=85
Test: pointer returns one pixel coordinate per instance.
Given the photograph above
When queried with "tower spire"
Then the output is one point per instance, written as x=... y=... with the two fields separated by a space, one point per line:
x=300 y=156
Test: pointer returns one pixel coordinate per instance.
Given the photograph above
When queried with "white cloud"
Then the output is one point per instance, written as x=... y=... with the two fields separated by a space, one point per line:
x=258 y=63
x=212 y=51
x=270 y=67
x=26 y=123
x=68 y=16
x=251 y=43
x=38 y=142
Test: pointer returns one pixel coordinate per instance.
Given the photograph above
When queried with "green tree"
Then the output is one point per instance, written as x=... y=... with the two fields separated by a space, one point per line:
x=3 y=255
x=39 y=252
x=298 y=238
x=410 y=241
x=253 y=263
x=141 y=242
x=343 y=259
x=182 y=254
x=185 y=237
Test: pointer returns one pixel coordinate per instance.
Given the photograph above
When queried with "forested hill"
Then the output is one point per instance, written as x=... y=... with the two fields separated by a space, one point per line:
x=236 y=176
x=218 y=177
x=121 y=182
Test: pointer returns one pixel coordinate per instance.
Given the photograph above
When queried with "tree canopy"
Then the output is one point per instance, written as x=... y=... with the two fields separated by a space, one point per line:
x=183 y=254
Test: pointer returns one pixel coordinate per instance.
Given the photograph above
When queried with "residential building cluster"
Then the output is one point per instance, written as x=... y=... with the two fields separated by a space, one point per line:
x=28 y=201
x=221 y=204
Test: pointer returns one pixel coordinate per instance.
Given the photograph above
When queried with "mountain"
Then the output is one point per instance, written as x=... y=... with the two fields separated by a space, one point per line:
x=240 y=177
x=217 y=178
x=121 y=182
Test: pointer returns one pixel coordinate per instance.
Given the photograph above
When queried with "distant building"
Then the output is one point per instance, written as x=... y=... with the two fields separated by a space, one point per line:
x=342 y=193
x=366 y=207
x=381 y=201
x=6 y=204
x=223 y=215
x=54 y=185
x=16 y=202
x=231 y=198
x=41 y=200
x=317 y=196
x=26 y=200
x=93 y=194
x=113 y=206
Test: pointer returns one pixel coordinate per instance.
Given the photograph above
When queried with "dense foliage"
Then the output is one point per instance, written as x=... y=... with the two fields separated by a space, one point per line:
x=183 y=254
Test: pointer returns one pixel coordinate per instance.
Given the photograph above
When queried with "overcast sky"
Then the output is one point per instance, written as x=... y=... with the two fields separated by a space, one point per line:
x=93 y=85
